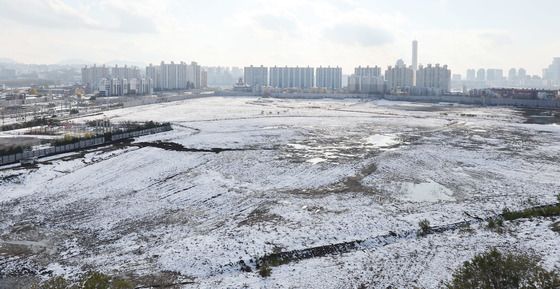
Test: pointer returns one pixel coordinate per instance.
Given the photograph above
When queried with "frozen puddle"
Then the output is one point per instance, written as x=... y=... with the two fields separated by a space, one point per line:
x=316 y=160
x=382 y=140
x=425 y=192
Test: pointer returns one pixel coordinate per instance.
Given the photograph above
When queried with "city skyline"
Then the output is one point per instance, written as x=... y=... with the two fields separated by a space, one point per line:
x=336 y=33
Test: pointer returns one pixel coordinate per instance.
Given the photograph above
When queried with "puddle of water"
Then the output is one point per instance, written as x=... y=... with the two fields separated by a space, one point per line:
x=425 y=192
x=382 y=140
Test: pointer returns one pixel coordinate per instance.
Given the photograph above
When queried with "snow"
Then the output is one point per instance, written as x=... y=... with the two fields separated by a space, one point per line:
x=300 y=173
x=381 y=141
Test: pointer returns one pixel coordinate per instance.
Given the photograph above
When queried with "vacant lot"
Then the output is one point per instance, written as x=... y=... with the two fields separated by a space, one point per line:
x=240 y=178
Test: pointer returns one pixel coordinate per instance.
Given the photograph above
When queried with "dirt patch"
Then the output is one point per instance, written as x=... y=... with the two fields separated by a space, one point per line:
x=260 y=215
x=555 y=227
x=171 y=146
x=541 y=116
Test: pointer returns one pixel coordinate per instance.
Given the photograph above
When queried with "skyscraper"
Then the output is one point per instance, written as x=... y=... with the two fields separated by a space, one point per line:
x=414 y=60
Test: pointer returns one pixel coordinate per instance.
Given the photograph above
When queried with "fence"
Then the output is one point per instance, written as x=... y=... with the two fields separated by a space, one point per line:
x=82 y=144
x=125 y=135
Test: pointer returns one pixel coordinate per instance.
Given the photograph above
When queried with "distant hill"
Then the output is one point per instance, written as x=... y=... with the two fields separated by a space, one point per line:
x=75 y=61
x=7 y=60
x=125 y=62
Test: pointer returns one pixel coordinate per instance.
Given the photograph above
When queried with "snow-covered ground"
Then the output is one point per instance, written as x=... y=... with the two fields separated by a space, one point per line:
x=293 y=174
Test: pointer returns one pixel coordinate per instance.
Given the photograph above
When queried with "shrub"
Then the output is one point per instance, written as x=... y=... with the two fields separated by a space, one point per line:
x=265 y=270
x=424 y=227
x=55 y=283
x=549 y=211
x=466 y=228
x=96 y=280
x=495 y=270
x=491 y=224
x=121 y=284
x=13 y=150
x=91 y=280
x=31 y=123
x=495 y=225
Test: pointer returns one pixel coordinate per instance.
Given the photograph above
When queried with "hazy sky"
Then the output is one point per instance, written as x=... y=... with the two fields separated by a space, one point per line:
x=462 y=34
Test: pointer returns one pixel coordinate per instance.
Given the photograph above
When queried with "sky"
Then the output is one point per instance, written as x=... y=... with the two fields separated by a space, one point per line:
x=347 y=33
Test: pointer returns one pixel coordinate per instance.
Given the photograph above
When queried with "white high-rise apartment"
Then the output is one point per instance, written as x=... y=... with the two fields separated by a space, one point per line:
x=329 y=77
x=292 y=77
x=125 y=72
x=175 y=76
x=481 y=74
x=471 y=74
x=91 y=76
x=494 y=75
x=399 y=77
x=552 y=73
x=435 y=78
x=366 y=80
x=193 y=75
x=256 y=76
x=115 y=81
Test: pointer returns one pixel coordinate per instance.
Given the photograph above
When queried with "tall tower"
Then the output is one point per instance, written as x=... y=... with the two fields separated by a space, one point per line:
x=414 y=60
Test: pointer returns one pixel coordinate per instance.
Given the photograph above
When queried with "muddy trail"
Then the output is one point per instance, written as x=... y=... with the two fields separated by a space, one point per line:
x=372 y=243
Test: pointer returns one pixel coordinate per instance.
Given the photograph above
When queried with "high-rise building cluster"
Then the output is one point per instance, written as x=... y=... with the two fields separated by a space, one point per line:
x=175 y=76
x=222 y=76
x=294 y=77
x=400 y=78
x=495 y=77
x=129 y=80
x=551 y=74
x=115 y=81
x=430 y=79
